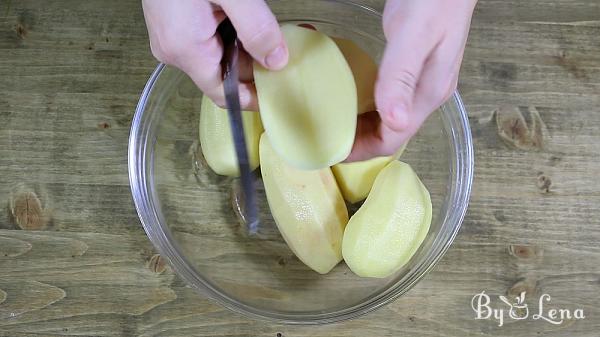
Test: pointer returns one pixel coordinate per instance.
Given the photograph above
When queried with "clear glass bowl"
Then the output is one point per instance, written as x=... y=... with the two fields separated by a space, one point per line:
x=189 y=212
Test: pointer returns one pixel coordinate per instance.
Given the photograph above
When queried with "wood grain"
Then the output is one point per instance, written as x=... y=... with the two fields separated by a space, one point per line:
x=74 y=259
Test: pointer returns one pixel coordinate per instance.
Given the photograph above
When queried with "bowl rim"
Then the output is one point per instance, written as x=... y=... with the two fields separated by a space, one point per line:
x=143 y=193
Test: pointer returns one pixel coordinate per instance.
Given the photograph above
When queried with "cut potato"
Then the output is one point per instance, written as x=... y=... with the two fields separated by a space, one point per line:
x=308 y=208
x=356 y=179
x=364 y=70
x=387 y=230
x=216 y=139
x=309 y=109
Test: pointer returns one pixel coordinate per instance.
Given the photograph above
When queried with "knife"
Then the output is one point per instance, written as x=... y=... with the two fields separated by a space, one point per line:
x=232 y=99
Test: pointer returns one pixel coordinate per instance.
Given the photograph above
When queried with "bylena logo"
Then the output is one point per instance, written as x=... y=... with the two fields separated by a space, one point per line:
x=519 y=310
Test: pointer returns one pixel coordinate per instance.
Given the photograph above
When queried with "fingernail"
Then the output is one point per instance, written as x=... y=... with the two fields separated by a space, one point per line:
x=277 y=58
x=399 y=117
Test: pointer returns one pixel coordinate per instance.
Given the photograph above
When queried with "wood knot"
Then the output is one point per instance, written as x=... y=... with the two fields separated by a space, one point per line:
x=555 y=160
x=21 y=31
x=282 y=261
x=103 y=125
x=157 y=264
x=515 y=131
x=27 y=211
x=25 y=22
x=279 y=334
x=543 y=183
x=523 y=251
x=499 y=74
x=499 y=215
x=570 y=65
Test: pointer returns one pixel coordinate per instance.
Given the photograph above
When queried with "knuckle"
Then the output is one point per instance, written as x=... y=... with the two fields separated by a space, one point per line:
x=405 y=80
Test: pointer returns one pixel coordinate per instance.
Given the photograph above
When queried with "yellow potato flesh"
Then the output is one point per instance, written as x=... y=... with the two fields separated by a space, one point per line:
x=387 y=230
x=309 y=109
x=364 y=70
x=216 y=139
x=356 y=179
x=308 y=208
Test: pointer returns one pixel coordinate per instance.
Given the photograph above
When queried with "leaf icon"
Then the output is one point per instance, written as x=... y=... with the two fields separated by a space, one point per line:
x=521 y=298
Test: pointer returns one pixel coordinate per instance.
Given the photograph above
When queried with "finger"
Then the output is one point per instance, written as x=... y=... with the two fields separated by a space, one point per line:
x=203 y=65
x=188 y=41
x=202 y=62
x=439 y=79
x=399 y=73
x=258 y=30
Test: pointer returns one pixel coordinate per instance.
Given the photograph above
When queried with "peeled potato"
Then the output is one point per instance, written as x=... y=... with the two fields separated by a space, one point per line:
x=307 y=207
x=356 y=179
x=308 y=109
x=364 y=70
x=216 y=139
x=389 y=227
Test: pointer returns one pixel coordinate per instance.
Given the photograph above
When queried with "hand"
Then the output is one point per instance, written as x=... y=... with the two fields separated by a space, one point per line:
x=418 y=72
x=183 y=34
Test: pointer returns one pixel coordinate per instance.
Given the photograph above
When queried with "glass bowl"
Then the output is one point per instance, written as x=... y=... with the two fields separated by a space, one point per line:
x=189 y=213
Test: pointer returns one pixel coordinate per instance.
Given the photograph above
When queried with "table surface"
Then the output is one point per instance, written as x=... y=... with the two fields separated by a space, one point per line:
x=74 y=259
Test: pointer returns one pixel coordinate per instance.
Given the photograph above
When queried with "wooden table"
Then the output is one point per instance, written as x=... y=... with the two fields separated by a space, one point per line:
x=74 y=259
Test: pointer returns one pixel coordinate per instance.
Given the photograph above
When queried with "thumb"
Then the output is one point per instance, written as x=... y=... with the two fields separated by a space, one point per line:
x=399 y=74
x=258 y=30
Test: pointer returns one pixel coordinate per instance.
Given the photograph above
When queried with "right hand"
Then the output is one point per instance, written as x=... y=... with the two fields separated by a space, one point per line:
x=418 y=72
x=183 y=34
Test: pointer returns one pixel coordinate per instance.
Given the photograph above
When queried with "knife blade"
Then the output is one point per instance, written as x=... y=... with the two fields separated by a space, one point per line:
x=232 y=99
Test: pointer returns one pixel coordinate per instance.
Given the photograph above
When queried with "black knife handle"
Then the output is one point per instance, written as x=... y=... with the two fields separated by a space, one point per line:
x=227 y=32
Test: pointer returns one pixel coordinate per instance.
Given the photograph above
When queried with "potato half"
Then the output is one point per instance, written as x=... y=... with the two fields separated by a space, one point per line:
x=355 y=179
x=389 y=227
x=308 y=208
x=309 y=108
x=216 y=139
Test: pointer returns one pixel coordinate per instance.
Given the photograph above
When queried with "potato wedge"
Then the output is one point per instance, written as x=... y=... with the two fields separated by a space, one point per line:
x=356 y=179
x=216 y=139
x=308 y=109
x=387 y=230
x=308 y=208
